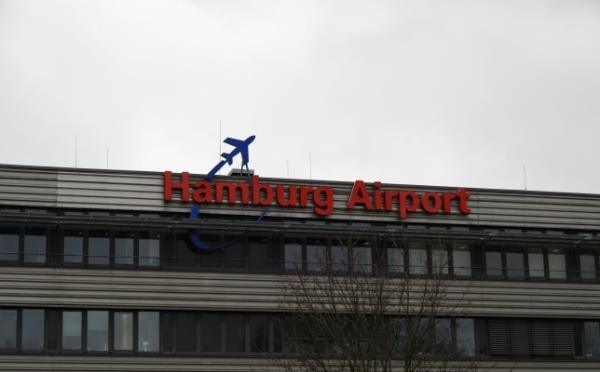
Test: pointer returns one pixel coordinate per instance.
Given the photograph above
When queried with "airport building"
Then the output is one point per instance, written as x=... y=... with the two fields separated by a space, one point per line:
x=167 y=271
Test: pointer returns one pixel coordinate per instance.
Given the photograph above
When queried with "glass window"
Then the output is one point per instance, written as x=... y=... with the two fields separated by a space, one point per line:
x=293 y=254
x=591 y=339
x=149 y=252
x=461 y=259
x=395 y=258
x=361 y=257
x=587 y=266
x=184 y=254
x=97 y=330
x=557 y=267
x=439 y=260
x=234 y=333
x=186 y=332
x=493 y=263
x=339 y=257
x=32 y=336
x=35 y=249
x=315 y=255
x=211 y=333
x=417 y=258
x=465 y=337
x=233 y=254
x=71 y=330
x=123 y=330
x=8 y=329
x=148 y=331
x=259 y=252
x=124 y=251
x=515 y=265
x=443 y=335
x=536 y=263
x=259 y=333
x=98 y=251
x=9 y=247
x=73 y=249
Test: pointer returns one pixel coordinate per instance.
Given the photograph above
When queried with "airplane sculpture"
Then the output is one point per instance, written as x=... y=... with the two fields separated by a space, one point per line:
x=241 y=147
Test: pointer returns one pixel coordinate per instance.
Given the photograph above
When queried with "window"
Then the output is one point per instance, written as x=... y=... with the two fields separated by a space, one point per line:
x=493 y=263
x=186 y=332
x=443 y=336
x=587 y=266
x=259 y=252
x=591 y=338
x=73 y=249
x=124 y=251
x=233 y=255
x=9 y=247
x=465 y=337
x=461 y=259
x=315 y=255
x=417 y=258
x=536 y=263
x=32 y=336
x=292 y=254
x=8 y=329
x=395 y=257
x=185 y=256
x=123 y=330
x=339 y=257
x=149 y=252
x=97 y=330
x=361 y=257
x=259 y=333
x=71 y=330
x=235 y=333
x=515 y=265
x=35 y=249
x=439 y=260
x=98 y=251
x=557 y=268
x=148 y=331
x=211 y=332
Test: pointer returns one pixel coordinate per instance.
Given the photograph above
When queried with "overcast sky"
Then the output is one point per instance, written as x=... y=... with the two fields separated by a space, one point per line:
x=457 y=93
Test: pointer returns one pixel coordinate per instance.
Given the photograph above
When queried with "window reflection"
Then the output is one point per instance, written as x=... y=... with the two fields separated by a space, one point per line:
x=395 y=257
x=587 y=266
x=124 y=251
x=536 y=263
x=515 y=265
x=461 y=259
x=292 y=254
x=493 y=262
x=148 y=331
x=465 y=336
x=98 y=251
x=9 y=247
x=32 y=336
x=339 y=257
x=557 y=268
x=149 y=252
x=71 y=330
x=315 y=255
x=8 y=329
x=417 y=258
x=97 y=331
x=361 y=257
x=73 y=249
x=35 y=249
x=123 y=330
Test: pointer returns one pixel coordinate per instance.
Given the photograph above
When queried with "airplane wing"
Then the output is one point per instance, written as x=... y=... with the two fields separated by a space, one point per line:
x=234 y=142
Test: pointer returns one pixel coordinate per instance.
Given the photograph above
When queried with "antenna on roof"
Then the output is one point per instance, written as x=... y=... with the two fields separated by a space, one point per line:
x=309 y=167
x=220 y=142
x=75 y=150
x=524 y=177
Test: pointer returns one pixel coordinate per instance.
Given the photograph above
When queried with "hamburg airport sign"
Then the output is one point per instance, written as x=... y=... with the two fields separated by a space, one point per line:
x=320 y=198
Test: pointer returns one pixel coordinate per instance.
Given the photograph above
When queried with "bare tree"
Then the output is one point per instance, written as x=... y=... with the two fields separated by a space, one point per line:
x=361 y=316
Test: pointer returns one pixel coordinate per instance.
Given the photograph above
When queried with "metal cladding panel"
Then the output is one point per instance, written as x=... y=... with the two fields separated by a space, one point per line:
x=143 y=191
x=99 y=363
x=140 y=289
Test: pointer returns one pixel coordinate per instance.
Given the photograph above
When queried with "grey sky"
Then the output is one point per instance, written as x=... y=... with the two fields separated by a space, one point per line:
x=457 y=93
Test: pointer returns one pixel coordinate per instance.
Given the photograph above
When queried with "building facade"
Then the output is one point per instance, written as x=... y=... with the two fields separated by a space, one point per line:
x=98 y=270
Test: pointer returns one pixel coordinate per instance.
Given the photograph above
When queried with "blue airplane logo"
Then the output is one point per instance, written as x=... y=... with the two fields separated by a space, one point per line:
x=241 y=147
